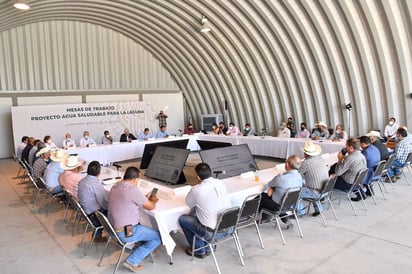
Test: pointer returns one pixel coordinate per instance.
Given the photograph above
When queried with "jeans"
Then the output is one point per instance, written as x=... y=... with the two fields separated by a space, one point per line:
x=344 y=186
x=150 y=239
x=395 y=168
x=57 y=189
x=309 y=193
x=190 y=225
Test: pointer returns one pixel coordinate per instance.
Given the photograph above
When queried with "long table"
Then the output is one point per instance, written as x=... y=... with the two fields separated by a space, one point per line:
x=274 y=146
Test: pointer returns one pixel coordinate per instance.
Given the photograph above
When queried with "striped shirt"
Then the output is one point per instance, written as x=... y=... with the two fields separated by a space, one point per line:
x=314 y=171
x=351 y=166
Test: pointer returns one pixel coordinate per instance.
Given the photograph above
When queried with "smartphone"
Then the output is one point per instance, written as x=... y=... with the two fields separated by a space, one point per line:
x=154 y=192
x=128 y=230
x=344 y=151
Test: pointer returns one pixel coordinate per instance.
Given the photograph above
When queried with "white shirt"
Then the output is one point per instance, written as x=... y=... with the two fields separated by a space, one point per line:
x=85 y=142
x=284 y=133
x=68 y=143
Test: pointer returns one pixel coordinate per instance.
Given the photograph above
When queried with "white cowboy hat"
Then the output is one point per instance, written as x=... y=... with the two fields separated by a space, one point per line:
x=42 y=151
x=70 y=162
x=311 y=149
x=373 y=133
x=58 y=155
x=320 y=123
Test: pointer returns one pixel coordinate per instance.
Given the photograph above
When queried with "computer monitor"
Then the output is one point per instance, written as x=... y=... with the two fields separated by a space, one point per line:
x=150 y=148
x=204 y=145
x=167 y=165
x=230 y=161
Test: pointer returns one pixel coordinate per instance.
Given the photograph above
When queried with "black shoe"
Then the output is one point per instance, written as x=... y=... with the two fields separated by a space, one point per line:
x=189 y=252
x=369 y=193
x=358 y=197
x=316 y=213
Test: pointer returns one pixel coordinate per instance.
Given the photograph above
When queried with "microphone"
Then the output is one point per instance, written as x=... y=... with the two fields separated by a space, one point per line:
x=217 y=172
x=180 y=130
x=117 y=165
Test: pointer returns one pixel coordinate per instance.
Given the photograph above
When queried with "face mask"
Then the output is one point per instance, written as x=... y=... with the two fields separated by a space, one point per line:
x=49 y=141
x=391 y=123
x=248 y=128
x=338 y=131
x=86 y=137
x=302 y=128
x=107 y=136
x=231 y=127
x=68 y=139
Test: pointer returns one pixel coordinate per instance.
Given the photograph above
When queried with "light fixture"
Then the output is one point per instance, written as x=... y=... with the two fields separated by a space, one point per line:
x=205 y=24
x=21 y=4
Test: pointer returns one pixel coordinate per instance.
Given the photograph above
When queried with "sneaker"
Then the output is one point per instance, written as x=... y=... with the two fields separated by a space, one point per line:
x=189 y=252
x=132 y=268
x=316 y=213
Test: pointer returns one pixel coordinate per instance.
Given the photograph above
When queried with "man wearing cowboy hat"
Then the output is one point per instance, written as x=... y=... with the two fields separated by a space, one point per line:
x=71 y=176
x=39 y=166
x=314 y=171
x=53 y=170
x=375 y=136
x=322 y=132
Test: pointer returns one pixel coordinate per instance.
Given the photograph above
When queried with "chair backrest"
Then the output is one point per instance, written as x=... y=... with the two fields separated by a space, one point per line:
x=250 y=207
x=227 y=218
x=36 y=182
x=328 y=186
x=379 y=168
x=389 y=161
x=107 y=226
x=360 y=176
x=409 y=159
x=290 y=199
x=81 y=210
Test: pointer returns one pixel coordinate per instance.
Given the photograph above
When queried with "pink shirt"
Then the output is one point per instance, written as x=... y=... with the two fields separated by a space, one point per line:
x=69 y=180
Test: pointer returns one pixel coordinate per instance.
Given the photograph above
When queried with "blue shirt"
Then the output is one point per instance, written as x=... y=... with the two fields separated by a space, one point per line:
x=282 y=182
x=92 y=195
x=372 y=156
x=162 y=134
x=51 y=174
x=143 y=136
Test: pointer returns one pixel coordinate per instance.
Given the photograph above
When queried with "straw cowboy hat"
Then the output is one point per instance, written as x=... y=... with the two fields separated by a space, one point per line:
x=311 y=149
x=373 y=133
x=42 y=151
x=70 y=162
x=58 y=155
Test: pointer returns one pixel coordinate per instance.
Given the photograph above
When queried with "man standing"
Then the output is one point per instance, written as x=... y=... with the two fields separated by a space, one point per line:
x=291 y=127
x=277 y=187
x=92 y=196
x=206 y=201
x=162 y=119
x=402 y=150
x=125 y=200
x=315 y=174
x=348 y=167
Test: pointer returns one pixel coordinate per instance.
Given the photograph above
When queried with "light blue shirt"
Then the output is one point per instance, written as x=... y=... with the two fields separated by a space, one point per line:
x=92 y=195
x=162 y=134
x=143 y=136
x=282 y=182
x=51 y=174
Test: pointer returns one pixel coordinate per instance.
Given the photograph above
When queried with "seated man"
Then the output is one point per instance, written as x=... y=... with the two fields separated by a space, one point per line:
x=53 y=170
x=233 y=130
x=107 y=139
x=162 y=133
x=375 y=136
x=248 y=130
x=68 y=142
x=276 y=188
x=348 y=166
x=86 y=140
x=314 y=171
x=189 y=129
x=71 y=176
x=92 y=196
x=372 y=156
x=125 y=200
x=27 y=148
x=39 y=166
x=33 y=151
x=22 y=145
x=339 y=135
x=402 y=150
x=223 y=128
x=303 y=133
x=145 y=135
x=206 y=201
x=321 y=132
x=390 y=129
x=283 y=132
x=127 y=136
x=49 y=143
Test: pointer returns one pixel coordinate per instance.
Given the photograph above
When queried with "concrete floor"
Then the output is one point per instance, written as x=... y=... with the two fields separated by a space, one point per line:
x=376 y=241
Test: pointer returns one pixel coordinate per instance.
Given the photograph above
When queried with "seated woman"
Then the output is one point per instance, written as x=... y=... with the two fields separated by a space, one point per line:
x=216 y=129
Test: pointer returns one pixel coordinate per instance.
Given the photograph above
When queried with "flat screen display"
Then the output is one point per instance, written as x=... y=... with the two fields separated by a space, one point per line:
x=167 y=164
x=229 y=161
x=149 y=150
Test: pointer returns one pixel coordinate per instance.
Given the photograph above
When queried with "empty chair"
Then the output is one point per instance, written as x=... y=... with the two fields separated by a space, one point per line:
x=249 y=214
x=287 y=209
x=113 y=238
x=356 y=189
x=227 y=221
x=385 y=169
x=324 y=196
x=377 y=180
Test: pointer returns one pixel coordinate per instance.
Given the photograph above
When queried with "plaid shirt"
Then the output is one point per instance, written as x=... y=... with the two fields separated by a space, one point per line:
x=162 y=119
x=402 y=150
